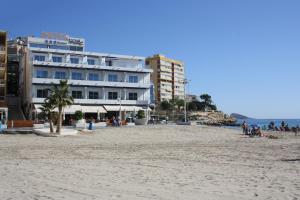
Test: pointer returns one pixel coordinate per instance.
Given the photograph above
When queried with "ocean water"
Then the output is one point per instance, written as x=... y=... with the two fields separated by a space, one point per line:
x=266 y=122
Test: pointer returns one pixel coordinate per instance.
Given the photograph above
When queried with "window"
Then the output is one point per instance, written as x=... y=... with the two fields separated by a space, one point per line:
x=58 y=47
x=93 y=95
x=91 y=61
x=57 y=59
x=108 y=63
x=41 y=74
x=60 y=75
x=77 y=94
x=74 y=60
x=38 y=45
x=132 y=96
x=39 y=58
x=112 y=78
x=76 y=48
x=77 y=76
x=93 y=77
x=112 y=95
x=42 y=93
x=133 y=79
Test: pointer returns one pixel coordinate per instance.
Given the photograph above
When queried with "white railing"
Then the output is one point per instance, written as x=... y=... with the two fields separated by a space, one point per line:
x=100 y=101
x=86 y=66
x=92 y=83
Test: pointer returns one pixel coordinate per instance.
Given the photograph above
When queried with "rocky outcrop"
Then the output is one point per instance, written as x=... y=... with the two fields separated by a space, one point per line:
x=213 y=118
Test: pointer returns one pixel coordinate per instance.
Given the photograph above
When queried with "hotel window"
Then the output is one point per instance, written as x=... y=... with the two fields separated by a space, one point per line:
x=42 y=93
x=112 y=78
x=77 y=76
x=74 y=60
x=93 y=77
x=112 y=95
x=41 y=74
x=38 y=45
x=76 y=48
x=77 y=94
x=132 y=96
x=108 y=63
x=93 y=95
x=133 y=79
x=39 y=58
x=57 y=59
x=91 y=61
x=60 y=75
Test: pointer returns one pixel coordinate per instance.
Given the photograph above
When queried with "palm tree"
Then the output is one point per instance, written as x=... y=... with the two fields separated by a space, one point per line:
x=61 y=98
x=47 y=108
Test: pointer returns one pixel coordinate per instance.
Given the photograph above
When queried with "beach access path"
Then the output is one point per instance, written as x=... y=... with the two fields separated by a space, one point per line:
x=150 y=162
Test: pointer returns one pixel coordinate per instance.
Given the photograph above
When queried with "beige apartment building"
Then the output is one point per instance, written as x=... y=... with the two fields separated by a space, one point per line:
x=167 y=77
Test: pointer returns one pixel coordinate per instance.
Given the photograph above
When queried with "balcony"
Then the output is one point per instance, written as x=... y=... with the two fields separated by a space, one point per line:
x=91 y=83
x=85 y=66
x=99 y=101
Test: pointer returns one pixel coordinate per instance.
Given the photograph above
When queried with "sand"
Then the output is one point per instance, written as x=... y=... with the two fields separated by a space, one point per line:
x=150 y=162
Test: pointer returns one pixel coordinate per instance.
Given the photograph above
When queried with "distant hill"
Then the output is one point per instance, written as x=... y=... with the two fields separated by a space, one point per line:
x=238 y=116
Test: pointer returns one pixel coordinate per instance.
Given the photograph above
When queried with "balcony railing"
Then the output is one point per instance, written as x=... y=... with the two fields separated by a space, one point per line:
x=92 y=83
x=86 y=66
x=100 y=101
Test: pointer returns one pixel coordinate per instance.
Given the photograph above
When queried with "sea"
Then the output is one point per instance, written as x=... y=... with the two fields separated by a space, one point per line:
x=266 y=122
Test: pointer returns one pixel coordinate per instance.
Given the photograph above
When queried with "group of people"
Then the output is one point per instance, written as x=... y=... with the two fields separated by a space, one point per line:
x=283 y=127
x=254 y=130
x=115 y=121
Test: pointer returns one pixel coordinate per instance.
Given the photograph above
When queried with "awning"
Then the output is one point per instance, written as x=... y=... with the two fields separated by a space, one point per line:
x=71 y=109
x=123 y=108
x=93 y=109
x=38 y=108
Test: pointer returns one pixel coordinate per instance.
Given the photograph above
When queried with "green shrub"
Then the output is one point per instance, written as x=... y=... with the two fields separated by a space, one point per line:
x=140 y=114
x=78 y=115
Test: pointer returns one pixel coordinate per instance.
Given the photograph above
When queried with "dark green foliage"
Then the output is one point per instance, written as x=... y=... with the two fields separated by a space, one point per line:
x=140 y=114
x=78 y=115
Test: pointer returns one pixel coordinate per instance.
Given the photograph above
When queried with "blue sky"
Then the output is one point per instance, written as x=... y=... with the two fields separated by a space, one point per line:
x=246 y=54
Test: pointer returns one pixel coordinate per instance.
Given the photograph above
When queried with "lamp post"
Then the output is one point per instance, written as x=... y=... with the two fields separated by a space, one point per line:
x=119 y=99
x=185 y=82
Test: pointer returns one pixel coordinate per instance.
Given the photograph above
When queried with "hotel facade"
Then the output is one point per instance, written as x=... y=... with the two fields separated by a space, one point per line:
x=167 y=77
x=101 y=84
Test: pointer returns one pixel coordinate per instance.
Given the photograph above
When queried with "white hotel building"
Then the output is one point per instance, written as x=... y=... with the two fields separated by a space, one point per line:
x=101 y=84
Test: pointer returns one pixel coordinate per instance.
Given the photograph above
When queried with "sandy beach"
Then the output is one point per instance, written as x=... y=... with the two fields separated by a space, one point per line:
x=152 y=162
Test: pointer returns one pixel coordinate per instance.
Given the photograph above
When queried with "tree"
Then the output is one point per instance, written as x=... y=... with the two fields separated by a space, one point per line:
x=61 y=98
x=206 y=98
x=165 y=105
x=78 y=115
x=47 y=109
x=191 y=106
x=180 y=103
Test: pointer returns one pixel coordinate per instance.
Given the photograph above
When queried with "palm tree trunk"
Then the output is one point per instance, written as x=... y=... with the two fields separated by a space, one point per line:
x=50 y=123
x=59 y=119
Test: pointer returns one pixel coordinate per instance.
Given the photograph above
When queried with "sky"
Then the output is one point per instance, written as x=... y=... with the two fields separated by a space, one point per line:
x=244 y=53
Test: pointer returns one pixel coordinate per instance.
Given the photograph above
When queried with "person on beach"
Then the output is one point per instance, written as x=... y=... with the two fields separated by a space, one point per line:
x=245 y=128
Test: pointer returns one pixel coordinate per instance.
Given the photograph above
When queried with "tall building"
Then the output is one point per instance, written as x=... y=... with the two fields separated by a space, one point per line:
x=3 y=62
x=101 y=84
x=168 y=77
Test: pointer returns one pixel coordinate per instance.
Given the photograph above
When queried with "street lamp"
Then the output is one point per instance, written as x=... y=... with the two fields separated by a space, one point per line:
x=185 y=82
x=119 y=99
